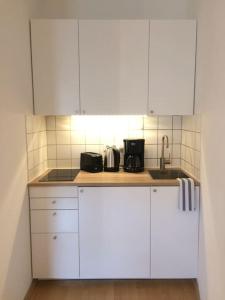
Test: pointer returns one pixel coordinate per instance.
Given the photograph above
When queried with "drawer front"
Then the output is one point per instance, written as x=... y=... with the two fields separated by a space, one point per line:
x=47 y=221
x=53 y=191
x=55 y=256
x=54 y=203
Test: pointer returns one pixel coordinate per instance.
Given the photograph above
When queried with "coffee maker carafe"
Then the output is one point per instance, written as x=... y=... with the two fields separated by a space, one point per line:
x=134 y=155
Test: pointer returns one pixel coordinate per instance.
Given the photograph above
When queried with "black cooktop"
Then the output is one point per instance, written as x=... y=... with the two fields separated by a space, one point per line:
x=60 y=175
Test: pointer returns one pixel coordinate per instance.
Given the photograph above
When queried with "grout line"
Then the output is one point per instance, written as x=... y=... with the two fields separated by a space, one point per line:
x=193 y=131
x=190 y=164
x=189 y=147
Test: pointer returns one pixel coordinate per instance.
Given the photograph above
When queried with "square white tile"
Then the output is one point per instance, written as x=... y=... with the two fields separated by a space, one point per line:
x=176 y=151
x=150 y=122
x=177 y=135
x=51 y=152
x=165 y=122
x=77 y=137
x=50 y=123
x=64 y=163
x=52 y=163
x=177 y=122
x=63 y=123
x=63 y=137
x=135 y=123
x=93 y=148
x=63 y=152
x=51 y=137
x=150 y=137
x=151 y=151
x=92 y=137
x=76 y=150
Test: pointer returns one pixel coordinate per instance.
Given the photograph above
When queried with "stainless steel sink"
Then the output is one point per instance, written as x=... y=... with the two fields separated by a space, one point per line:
x=167 y=174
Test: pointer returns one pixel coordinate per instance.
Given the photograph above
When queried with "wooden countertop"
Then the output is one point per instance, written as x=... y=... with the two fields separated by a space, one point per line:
x=120 y=178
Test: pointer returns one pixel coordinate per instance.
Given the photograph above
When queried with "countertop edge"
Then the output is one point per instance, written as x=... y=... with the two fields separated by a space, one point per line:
x=148 y=181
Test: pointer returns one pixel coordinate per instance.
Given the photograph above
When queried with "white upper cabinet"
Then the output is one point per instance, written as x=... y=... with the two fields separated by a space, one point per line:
x=172 y=67
x=55 y=66
x=114 y=66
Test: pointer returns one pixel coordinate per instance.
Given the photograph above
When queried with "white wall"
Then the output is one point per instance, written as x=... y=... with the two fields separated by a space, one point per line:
x=211 y=103
x=15 y=101
x=109 y=9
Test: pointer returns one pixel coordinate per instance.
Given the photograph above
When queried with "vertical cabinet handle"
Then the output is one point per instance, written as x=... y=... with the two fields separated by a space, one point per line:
x=151 y=111
x=54 y=237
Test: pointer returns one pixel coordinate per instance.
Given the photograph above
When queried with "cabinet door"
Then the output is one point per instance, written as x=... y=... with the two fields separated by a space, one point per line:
x=114 y=66
x=55 y=66
x=114 y=232
x=172 y=67
x=174 y=236
x=55 y=256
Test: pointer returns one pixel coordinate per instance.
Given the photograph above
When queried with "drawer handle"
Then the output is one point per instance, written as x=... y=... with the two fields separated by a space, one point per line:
x=54 y=237
x=154 y=190
x=81 y=190
x=54 y=214
x=53 y=202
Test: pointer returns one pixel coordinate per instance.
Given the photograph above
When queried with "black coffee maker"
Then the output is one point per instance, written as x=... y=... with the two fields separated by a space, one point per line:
x=134 y=155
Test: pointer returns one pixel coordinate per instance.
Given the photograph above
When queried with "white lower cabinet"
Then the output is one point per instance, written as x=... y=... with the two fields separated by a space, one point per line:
x=114 y=232
x=55 y=255
x=117 y=232
x=54 y=232
x=174 y=235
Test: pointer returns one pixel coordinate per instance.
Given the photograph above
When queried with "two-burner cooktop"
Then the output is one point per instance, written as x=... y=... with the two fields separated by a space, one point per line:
x=60 y=175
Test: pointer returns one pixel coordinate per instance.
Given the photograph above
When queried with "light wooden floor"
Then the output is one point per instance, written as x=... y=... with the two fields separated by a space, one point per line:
x=114 y=290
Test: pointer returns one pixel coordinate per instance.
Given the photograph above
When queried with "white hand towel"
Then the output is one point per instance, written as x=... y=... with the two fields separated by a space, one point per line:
x=180 y=201
x=186 y=194
x=192 y=200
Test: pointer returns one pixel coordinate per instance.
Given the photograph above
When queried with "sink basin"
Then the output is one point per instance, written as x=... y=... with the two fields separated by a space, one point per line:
x=167 y=174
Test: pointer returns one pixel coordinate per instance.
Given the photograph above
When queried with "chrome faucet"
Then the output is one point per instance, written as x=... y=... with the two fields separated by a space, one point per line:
x=164 y=161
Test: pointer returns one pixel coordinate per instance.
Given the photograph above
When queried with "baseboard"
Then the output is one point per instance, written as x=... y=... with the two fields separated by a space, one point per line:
x=30 y=290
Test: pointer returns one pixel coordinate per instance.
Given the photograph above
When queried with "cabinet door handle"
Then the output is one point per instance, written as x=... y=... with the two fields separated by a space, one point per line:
x=81 y=190
x=154 y=190
x=83 y=112
x=151 y=111
x=54 y=237
x=53 y=201
x=54 y=214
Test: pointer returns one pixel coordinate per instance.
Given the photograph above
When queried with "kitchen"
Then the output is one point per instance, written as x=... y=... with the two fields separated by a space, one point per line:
x=116 y=83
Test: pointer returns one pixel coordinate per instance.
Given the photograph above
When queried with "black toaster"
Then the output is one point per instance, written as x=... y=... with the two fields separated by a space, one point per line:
x=91 y=162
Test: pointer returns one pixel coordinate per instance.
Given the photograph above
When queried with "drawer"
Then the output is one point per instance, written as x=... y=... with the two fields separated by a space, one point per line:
x=53 y=191
x=46 y=221
x=54 y=203
x=55 y=256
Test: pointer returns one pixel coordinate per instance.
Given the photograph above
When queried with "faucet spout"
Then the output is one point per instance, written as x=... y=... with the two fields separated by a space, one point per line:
x=163 y=160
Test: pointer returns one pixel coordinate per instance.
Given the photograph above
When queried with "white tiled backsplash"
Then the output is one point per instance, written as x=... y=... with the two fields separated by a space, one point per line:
x=36 y=145
x=191 y=144
x=59 y=144
x=67 y=137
